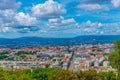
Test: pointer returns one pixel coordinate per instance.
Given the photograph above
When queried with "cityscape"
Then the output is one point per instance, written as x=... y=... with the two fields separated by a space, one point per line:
x=79 y=57
x=59 y=39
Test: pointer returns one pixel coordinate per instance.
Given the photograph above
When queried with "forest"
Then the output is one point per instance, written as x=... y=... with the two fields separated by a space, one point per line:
x=55 y=74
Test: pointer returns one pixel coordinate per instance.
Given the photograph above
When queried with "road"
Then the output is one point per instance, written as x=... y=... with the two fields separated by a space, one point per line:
x=71 y=65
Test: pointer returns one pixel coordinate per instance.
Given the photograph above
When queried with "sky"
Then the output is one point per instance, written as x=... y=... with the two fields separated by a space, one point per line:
x=59 y=18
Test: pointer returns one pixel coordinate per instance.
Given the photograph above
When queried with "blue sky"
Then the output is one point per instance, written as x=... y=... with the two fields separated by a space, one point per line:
x=59 y=18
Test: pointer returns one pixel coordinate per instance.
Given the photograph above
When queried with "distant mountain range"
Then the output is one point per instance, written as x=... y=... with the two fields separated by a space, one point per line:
x=38 y=41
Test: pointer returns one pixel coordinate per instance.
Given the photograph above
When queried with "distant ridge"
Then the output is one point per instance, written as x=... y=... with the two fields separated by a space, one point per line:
x=39 y=41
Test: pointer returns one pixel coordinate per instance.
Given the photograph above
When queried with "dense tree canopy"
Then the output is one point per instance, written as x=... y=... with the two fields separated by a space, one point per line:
x=114 y=58
x=54 y=74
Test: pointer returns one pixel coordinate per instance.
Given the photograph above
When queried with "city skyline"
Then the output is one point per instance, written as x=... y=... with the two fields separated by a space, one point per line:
x=59 y=18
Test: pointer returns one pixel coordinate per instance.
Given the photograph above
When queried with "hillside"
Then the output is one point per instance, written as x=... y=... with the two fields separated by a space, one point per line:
x=38 y=41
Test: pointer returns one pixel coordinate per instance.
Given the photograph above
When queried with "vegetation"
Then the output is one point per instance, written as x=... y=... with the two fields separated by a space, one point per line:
x=114 y=58
x=54 y=74
x=23 y=52
x=3 y=55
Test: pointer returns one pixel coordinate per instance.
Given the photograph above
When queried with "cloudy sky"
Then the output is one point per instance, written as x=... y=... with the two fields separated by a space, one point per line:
x=59 y=18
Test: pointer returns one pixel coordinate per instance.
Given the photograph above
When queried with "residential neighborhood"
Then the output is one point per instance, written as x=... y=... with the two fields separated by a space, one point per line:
x=77 y=57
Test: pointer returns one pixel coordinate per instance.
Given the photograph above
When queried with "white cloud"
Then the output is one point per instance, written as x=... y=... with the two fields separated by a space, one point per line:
x=93 y=28
x=6 y=20
x=93 y=1
x=7 y=29
x=98 y=28
x=7 y=15
x=100 y=24
x=92 y=7
x=13 y=21
x=9 y=4
x=10 y=21
x=48 y=9
x=61 y=22
x=87 y=30
x=7 y=12
x=116 y=3
x=93 y=24
x=25 y=19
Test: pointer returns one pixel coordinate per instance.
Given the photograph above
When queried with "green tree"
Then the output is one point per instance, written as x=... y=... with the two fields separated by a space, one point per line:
x=1 y=73
x=41 y=73
x=114 y=57
x=110 y=75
